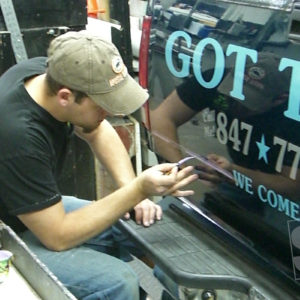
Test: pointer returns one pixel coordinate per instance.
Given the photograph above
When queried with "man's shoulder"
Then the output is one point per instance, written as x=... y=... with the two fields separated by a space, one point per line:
x=38 y=63
x=22 y=70
x=35 y=64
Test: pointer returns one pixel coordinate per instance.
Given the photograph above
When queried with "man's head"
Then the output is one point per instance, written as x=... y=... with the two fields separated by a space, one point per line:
x=86 y=63
x=264 y=86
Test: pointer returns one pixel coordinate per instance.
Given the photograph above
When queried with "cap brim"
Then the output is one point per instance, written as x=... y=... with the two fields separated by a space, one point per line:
x=254 y=99
x=124 y=100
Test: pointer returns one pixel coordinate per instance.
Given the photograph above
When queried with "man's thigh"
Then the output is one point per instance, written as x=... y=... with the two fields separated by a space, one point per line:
x=87 y=273
x=111 y=241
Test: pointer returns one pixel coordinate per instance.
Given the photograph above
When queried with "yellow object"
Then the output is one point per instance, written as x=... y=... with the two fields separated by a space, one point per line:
x=5 y=261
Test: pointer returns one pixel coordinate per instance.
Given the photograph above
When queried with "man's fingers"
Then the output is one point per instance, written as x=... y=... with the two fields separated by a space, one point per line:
x=147 y=212
x=158 y=180
x=165 y=168
x=127 y=216
x=152 y=211
x=138 y=215
x=159 y=212
x=184 y=173
x=146 y=216
x=182 y=183
x=177 y=180
x=213 y=157
x=209 y=177
x=179 y=193
x=185 y=181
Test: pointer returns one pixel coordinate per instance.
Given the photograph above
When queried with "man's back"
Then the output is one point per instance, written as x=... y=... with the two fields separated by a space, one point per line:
x=32 y=144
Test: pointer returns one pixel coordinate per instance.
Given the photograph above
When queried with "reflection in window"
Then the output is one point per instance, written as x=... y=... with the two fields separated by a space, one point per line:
x=279 y=4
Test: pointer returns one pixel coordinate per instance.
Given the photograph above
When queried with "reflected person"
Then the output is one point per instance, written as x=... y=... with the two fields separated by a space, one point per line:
x=266 y=94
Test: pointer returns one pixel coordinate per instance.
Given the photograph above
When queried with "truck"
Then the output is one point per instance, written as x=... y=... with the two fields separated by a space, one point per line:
x=224 y=89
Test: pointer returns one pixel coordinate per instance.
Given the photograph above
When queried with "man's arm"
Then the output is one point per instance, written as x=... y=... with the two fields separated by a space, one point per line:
x=109 y=149
x=58 y=230
x=165 y=120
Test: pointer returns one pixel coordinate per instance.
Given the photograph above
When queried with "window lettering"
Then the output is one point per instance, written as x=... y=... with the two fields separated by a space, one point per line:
x=242 y=53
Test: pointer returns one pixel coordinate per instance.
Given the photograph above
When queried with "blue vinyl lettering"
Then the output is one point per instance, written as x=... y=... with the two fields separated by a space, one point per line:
x=277 y=201
x=183 y=57
x=293 y=111
x=219 y=63
x=240 y=63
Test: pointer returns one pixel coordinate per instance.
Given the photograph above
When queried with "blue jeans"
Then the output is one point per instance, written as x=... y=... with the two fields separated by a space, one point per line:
x=94 y=270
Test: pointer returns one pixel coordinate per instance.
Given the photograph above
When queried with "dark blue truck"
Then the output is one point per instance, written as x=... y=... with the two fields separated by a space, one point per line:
x=224 y=84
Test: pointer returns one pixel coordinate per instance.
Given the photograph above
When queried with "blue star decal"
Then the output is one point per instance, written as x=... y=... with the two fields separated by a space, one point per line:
x=263 y=149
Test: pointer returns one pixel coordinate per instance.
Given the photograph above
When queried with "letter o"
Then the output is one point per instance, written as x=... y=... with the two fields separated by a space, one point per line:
x=260 y=187
x=271 y=194
x=219 y=63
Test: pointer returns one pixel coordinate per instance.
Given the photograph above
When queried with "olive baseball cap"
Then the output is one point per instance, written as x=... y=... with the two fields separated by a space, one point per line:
x=84 y=62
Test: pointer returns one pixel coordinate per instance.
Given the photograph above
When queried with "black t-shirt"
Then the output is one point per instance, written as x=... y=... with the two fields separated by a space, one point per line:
x=269 y=124
x=32 y=147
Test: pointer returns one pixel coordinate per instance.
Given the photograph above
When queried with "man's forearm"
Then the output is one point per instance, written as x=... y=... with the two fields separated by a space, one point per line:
x=59 y=230
x=165 y=120
x=99 y=215
x=168 y=150
x=111 y=152
x=71 y=229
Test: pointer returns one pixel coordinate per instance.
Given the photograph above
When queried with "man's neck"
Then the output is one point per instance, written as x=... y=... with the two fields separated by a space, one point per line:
x=37 y=89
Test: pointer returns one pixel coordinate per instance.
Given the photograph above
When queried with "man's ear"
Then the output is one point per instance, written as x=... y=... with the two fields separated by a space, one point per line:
x=65 y=97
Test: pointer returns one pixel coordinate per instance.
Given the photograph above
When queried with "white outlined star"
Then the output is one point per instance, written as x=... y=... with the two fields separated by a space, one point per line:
x=263 y=149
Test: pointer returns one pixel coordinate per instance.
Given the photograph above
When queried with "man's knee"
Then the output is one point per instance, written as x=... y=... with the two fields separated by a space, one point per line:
x=122 y=284
x=129 y=283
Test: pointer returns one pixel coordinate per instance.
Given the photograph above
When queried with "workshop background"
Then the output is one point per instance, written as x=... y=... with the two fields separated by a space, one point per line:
x=26 y=29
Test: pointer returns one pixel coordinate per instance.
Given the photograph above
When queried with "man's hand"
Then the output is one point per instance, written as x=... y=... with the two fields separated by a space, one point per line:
x=146 y=212
x=165 y=179
x=160 y=180
x=207 y=173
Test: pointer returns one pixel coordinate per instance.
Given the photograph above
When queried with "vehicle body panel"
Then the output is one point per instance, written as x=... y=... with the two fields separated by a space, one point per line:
x=238 y=62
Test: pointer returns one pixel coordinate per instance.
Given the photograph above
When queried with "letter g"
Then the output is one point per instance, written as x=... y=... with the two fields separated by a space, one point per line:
x=184 y=58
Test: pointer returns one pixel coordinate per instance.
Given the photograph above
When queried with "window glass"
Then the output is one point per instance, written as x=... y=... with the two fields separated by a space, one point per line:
x=282 y=4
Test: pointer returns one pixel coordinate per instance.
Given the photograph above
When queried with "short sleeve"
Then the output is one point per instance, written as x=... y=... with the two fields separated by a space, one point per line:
x=194 y=95
x=28 y=183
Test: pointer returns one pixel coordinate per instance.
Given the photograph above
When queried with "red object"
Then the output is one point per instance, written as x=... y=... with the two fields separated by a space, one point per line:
x=143 y=55
x=143 y=62
x=93 y=9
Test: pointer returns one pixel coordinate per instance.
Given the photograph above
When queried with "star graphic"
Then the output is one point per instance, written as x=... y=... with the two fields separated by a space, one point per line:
x=263 y=149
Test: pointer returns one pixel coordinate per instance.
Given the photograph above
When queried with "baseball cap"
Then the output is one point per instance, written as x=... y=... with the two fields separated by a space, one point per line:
x=86 y=63
x=263 y=82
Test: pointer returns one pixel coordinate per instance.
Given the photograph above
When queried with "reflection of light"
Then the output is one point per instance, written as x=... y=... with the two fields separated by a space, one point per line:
x=200 y=17
x=190 y=205
x=186 y=206
x=232 y=233
x=269 y=3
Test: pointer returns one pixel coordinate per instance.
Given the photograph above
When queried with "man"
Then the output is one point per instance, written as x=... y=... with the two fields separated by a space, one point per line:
x=82 y=81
